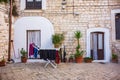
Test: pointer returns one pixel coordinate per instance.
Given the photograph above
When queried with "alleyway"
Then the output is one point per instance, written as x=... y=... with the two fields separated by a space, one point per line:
x=64 y=71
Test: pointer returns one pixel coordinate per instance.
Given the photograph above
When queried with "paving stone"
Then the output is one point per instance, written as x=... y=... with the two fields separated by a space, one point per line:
x=64 y=71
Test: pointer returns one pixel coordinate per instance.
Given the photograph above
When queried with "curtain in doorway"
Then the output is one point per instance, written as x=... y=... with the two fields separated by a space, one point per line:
x=33 y=37
x=95 y=56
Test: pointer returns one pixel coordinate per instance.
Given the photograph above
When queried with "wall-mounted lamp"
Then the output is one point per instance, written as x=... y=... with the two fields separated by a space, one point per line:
x=64 y=2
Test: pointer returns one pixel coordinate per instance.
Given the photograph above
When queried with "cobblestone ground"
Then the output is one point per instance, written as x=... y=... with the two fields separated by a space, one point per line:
x=64 y=71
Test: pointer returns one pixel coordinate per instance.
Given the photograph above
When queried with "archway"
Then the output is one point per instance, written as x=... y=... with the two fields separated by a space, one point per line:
x=27 y=26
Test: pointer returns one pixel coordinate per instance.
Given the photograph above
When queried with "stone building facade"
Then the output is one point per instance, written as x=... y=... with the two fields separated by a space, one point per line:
x=83 y=15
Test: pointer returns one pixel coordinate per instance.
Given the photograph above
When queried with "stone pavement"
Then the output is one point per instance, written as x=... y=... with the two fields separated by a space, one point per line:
x=64 y=71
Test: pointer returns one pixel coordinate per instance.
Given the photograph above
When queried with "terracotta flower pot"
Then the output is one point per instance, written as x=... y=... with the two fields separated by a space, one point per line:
x=2 y=63
x=88 y=61
x=23 y=59
x=115 y=60
x=79 y=59
x=56 y=45
x=71 y=60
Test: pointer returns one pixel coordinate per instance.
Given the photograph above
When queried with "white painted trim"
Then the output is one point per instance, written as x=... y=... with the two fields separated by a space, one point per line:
x=107 y=51
x=113 y=12
x=36 y=60
x=44 y=4
x=31 y=60
x=22 y=4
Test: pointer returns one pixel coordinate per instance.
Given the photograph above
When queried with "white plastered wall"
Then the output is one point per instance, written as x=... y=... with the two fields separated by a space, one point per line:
x=32 y=23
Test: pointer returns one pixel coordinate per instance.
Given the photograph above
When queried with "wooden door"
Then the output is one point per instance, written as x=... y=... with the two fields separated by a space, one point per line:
x=97 y=45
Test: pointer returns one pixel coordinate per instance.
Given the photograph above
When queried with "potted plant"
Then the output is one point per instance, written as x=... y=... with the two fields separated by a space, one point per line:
x=79 y=56
x=57 y=39
x=88 y=59
x=79 y=53
x=2 y=62
x=114 y=58
x=23 y=55
x=71 y=58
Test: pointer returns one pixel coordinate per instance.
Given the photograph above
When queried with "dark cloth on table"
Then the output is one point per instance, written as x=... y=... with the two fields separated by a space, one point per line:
x=47 y=54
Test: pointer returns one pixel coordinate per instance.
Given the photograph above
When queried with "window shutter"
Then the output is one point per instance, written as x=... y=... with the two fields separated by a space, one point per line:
x=44 y=4
x=29 y=4
x=38 y=4
x=22 y=4
x=117 y=28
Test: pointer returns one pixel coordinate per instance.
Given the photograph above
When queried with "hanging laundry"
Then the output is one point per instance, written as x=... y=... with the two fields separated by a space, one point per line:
x=35 y=52
x=31 y=48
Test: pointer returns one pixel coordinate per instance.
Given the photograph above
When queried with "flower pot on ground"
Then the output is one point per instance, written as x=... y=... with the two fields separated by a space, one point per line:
x=2 y=62
x=71 y=58
x=114 y=58
x=23 y=55
x=57 y=40
x=79 y=56
x=23 y=59
x=79 y=53
x=79 y=59
x=88 y=59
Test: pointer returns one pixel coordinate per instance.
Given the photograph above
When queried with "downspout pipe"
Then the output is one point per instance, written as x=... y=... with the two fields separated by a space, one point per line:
x=10 y=25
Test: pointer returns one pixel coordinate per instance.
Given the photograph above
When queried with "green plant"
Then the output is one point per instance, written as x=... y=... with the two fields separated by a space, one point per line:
x=3 y=59
x=2 y=62
x=78 y=35
x=14 y=11
x=5 y=1
x=71 y=56
x=23 y=52
x=88 y=59
x=79 y=53
x=114 y=56
x=14 y=7
x=57 y=39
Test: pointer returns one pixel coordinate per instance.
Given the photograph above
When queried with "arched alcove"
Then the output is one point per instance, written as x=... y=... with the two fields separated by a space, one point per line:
x=25 y=24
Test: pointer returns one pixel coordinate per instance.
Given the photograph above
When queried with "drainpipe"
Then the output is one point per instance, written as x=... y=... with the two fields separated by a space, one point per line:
x=10 y=25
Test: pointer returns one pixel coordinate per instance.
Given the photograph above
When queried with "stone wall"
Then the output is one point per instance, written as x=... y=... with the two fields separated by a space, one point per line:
x=3 y=31
x=78 y=15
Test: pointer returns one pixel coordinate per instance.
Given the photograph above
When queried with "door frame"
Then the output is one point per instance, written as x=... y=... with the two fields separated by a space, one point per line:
x=107 y=51
x=27 y=47
x=99 y=51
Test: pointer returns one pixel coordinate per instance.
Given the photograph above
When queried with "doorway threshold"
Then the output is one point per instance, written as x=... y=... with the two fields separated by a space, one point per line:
x=36 y=60
x=103 y=61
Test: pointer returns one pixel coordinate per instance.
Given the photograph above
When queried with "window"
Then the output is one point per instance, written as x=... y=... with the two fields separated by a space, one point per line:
x=33 y=4
x=117 y=26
